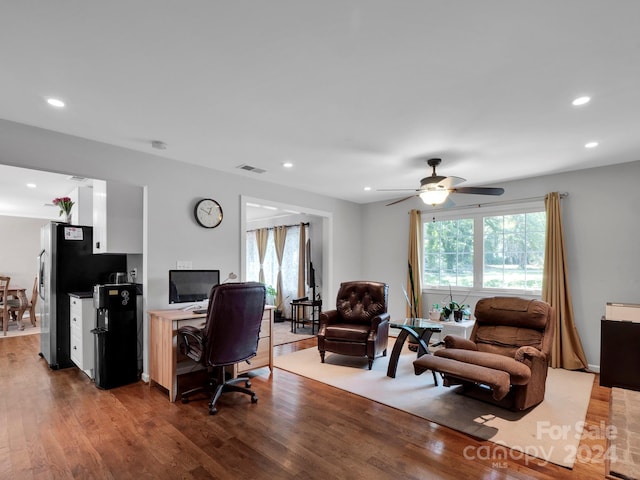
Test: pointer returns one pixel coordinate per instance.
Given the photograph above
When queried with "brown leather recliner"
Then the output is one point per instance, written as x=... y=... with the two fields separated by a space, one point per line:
x=359 y=326
x=506 y=358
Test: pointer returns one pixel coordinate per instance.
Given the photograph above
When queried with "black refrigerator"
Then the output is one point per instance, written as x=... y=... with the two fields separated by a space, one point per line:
x=67 y=264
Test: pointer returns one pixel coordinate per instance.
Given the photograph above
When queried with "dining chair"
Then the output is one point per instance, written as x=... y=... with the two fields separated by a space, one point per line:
x=4 y=304
x=15 y=310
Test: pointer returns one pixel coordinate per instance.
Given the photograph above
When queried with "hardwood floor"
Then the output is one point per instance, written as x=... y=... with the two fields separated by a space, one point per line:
x=57 y=424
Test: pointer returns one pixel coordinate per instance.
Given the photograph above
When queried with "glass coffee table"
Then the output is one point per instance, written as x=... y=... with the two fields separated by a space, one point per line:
x=419 y=328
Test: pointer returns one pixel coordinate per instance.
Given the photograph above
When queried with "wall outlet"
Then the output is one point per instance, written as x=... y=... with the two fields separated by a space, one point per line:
x=183 y=264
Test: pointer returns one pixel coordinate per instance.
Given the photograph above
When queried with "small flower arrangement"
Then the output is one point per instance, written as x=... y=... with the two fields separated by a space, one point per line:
x=65 y=204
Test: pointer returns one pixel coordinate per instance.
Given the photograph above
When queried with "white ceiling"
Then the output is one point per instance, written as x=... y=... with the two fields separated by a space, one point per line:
x=19 y=200
x=354 y=93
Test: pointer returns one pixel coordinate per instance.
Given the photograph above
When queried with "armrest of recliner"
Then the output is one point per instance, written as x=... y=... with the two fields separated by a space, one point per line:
x=379 y=326
x=529 y=353
x=454 y=341
x=379 y=320
x=328 y=317
x=192 y=344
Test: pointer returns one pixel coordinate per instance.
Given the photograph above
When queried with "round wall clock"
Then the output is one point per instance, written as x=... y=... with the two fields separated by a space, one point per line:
x=208 y=213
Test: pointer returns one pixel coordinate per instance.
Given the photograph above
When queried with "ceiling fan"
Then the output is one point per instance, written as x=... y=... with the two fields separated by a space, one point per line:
x=435 y=189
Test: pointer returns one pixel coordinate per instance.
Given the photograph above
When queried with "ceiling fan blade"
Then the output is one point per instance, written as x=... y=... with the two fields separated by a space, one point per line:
x=397 y=190
x=479 y=190
x=401 y=200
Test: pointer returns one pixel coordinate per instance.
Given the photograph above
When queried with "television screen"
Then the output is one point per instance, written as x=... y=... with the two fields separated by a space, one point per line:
x=191 y=285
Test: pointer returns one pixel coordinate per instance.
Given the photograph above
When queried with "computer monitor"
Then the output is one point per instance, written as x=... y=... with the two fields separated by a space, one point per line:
x=191 y=285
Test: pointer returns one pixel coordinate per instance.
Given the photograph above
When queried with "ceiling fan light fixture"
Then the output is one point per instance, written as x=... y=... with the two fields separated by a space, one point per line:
x=434 y=197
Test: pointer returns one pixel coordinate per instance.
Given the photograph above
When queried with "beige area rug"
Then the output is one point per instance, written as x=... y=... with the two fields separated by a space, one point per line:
x=624 y=438
x=14 y=331
x=282 y=333
x=550 y=431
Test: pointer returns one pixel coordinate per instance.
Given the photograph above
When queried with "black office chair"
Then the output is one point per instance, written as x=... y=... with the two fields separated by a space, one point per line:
x=230 y=335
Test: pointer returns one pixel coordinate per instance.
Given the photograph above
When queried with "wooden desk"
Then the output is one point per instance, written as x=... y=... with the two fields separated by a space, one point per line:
x=166 y=362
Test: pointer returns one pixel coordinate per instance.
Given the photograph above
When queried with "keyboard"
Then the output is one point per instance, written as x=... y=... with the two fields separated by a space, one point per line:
x=200 y=311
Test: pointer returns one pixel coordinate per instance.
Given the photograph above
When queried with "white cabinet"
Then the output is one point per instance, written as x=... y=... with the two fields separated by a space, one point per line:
x=82 y=319
x=117 y=217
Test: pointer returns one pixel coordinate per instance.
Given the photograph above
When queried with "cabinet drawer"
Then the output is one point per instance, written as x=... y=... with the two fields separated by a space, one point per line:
x=75 y=320
x=76 y=351
x=75 y=305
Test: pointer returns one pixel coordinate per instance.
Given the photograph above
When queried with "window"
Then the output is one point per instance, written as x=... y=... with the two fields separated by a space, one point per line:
x=270 y=267
x=489 y=248
x=448 y=253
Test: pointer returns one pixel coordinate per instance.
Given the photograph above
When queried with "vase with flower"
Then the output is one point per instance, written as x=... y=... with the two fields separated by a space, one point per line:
x=65 y=204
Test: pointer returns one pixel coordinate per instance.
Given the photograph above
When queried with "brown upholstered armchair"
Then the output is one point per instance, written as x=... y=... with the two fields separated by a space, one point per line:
x=506 y=358
x=359 y=326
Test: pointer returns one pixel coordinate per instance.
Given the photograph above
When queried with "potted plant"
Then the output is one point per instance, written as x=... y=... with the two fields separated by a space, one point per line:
x=271 y=300
x=453 y=307
x=271 y=294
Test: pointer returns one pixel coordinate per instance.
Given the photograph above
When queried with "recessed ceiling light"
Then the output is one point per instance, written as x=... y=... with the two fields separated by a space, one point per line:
x=581 y=101
x=31 y=185
x=287 y=164
x=591 y=145
x=55 y=102
x=366 y=189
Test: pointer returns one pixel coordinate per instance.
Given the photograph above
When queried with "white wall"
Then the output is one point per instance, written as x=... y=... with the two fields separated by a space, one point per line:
x=171 y=191
x=601 y=220
x=20 y=246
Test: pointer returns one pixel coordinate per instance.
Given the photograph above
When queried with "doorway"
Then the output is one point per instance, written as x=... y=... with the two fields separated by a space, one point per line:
x=322 y=241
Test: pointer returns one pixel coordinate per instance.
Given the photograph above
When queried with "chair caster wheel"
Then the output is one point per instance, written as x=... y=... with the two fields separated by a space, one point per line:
x=254 y=399
x=185 y=400
x=213 y=411
x=247 y=384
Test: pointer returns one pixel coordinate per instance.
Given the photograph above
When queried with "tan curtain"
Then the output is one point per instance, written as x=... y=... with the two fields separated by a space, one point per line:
x=414 y=268
x=567 y=349
x=302 y=247
x=279 y=237
x=262 y=236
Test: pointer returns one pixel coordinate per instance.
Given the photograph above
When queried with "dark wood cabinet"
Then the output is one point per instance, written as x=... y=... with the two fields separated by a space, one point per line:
x=620 y=354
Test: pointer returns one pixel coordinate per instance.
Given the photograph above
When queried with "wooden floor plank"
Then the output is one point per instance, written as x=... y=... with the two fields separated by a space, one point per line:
x=57 y=424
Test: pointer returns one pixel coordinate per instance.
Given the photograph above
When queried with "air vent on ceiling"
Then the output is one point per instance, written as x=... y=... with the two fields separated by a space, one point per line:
x=75 y=178
x=249 y=168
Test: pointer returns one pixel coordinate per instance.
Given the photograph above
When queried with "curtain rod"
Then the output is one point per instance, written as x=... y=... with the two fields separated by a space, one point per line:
x=306 y=224
x=502 y=202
